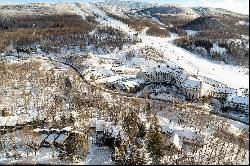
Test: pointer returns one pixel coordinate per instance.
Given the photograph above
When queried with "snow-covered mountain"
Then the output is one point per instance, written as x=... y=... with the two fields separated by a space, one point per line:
x=72 y=72
x=215 y=11
x=156 y=18
x=125 y=5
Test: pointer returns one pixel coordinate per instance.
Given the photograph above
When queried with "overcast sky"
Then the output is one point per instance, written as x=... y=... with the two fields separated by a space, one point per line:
x=240 y=6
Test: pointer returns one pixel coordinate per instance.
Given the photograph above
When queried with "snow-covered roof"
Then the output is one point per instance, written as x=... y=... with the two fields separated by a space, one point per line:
x=167 y=69
x=223 y=89
x=185 y=134
x=207 y=86
x=239 y=125
x=107 y=125
x=61 y=138
x=124 y=68
x=116 y=130
x=77 y=132
x=239 y=99
x=100 y=125
x=92 y=122
x=132 y=83
x=166 y=128
x=191 y=82
x=3 y=120
x=55 y=130
x=51 y=137
x=216 y=87
x=182 y=77
x=12 y=120
x=129 y=83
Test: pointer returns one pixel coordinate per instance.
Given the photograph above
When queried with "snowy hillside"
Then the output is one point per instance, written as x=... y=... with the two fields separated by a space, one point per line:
x=192 y=63
x=125 y=5
x=123 y=82
x=214 y=25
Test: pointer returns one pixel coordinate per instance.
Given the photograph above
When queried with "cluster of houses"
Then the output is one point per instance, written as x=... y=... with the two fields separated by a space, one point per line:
x=193 y=87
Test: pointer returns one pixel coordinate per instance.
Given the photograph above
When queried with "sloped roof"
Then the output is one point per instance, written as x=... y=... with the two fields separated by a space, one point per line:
x=191 y=82
x=239 y=99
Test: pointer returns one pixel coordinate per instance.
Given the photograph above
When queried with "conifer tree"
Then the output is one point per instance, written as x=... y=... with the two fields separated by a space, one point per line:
x=155 y=141
x=130 y=125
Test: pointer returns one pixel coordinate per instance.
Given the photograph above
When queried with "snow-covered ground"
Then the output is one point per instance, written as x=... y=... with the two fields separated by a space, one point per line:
x=242 y=23
x=104 y=19
x=218 y=49
x=237 y=127
x=232 y=76
x=47 y=155
x=191 y=32
x=97 y=155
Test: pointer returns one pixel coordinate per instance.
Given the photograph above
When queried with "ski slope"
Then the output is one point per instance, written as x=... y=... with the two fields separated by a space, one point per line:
x=232 y=76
